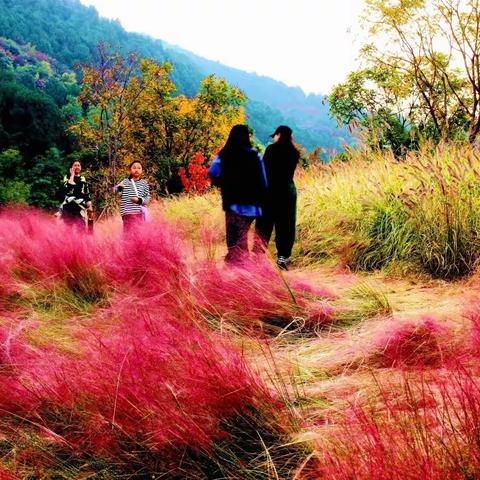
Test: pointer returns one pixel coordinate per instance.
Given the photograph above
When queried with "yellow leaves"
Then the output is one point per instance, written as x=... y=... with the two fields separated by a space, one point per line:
x=186 y=106
x=134 y=114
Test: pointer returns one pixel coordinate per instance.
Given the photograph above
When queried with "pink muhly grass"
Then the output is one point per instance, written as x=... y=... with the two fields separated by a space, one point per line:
x=34 y=248
x=152 y=260
x=148 y=375
x=250 y=294
x=426 y=431
x=474 y=341
x=308 y=289
x=6 y=475
x=40 y=250
x=320 y=314
x=152 y=382
x=210 y=238
x=412 y=344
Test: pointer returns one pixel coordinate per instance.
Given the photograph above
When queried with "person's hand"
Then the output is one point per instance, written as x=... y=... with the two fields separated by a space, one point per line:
x=134 y=199
x=71 y=180
x=89 y=207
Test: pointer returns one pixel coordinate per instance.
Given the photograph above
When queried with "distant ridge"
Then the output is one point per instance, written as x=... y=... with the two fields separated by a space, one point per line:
x=68 y=31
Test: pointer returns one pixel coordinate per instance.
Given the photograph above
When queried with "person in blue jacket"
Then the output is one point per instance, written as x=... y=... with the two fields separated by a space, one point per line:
x=239 y=172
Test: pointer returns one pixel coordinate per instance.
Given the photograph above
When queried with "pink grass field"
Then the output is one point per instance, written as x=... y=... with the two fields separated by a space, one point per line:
x=148 y=369
x=130 y=356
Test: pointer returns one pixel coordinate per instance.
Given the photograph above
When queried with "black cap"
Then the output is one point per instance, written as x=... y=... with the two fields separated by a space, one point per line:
x=283 y=130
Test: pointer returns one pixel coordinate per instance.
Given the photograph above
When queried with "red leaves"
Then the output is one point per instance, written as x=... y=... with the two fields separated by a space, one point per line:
x=195 y=179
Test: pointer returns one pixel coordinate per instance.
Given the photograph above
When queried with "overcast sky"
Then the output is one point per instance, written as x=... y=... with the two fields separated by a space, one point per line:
x=308 y=43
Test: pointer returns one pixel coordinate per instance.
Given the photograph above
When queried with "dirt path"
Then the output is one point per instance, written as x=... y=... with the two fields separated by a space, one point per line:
x=333 y=369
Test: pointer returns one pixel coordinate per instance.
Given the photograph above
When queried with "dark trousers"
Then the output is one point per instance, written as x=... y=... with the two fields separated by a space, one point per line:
x=237 y=227
x=131 y=221
x=75 y=221
x=280 y=212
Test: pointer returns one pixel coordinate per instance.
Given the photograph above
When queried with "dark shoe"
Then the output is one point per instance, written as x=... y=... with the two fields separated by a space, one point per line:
x=282 y=263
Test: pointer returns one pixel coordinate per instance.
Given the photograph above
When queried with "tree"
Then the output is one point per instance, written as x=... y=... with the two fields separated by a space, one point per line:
x=422 y=67
x=132 y=112
x=112 y=89
x=45 y=179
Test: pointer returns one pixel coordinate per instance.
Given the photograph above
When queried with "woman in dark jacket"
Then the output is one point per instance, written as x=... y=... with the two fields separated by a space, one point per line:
x=280 y=159
x=239 y=172
x=77 y=205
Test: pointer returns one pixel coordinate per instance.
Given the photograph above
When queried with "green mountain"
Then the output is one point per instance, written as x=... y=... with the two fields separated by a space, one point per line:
x=269 y=97
x=69 y=32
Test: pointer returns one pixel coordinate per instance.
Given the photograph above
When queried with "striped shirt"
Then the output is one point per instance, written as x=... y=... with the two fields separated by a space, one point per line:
x=127 y=207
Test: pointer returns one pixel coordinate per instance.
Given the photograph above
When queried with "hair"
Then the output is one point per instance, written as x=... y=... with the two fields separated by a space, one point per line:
x=238 y=140
x=132 y=164
x=285 y=142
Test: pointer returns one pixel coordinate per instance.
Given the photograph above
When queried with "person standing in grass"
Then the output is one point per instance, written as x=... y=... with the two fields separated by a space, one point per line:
x=77 y=204
x=239 y=172
x=135 y=195
x=281 y=159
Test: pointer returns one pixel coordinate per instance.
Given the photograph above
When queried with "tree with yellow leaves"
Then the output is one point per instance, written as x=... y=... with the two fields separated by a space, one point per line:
x=132 y=112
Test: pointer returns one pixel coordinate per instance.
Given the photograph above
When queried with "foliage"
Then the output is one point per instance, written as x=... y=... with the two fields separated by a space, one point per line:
x=133 y=113
x=45 y=180
x=421 y=76
x=195 y=179
x=376 y=213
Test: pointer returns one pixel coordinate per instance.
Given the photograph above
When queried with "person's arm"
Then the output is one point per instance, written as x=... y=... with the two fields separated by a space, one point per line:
x=144 y=199
x=264 y=172
x=215 y=171
x=68 y=187
x=71 y=180
x=119 y=187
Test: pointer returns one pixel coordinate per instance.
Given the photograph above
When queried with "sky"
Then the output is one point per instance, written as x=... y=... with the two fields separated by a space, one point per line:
x=312 y=44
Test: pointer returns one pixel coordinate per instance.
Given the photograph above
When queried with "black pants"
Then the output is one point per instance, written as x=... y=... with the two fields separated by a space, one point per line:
x=237 y=227
x=131 y=221
x=280 y=212
x=75 y=221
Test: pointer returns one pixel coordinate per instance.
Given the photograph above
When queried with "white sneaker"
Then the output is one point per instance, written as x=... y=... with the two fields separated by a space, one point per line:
x=282 y=263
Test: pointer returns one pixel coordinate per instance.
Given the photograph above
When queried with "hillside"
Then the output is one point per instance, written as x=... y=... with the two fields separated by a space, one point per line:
x=69 y=32
x=309 y=112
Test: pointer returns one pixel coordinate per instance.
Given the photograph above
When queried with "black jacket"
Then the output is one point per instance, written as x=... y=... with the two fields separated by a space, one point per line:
x=280 y=164
x=242 y=181
x=75 y=196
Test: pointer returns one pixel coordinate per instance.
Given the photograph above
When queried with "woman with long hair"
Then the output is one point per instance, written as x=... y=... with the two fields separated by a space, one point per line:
x=239 y=172
x=281 y=159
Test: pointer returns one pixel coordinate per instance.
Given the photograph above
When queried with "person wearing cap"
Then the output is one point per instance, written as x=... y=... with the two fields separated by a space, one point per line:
x=280 y=159
x=239 y=172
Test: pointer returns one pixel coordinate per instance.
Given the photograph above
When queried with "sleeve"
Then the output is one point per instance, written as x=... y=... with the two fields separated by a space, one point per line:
x=67 y=187
x=215 y=171
x=264 y=173
x=145 y=197
x=86 y=192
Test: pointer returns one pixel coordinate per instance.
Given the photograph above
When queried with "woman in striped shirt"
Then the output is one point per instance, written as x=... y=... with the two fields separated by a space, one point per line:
x=135 y=195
